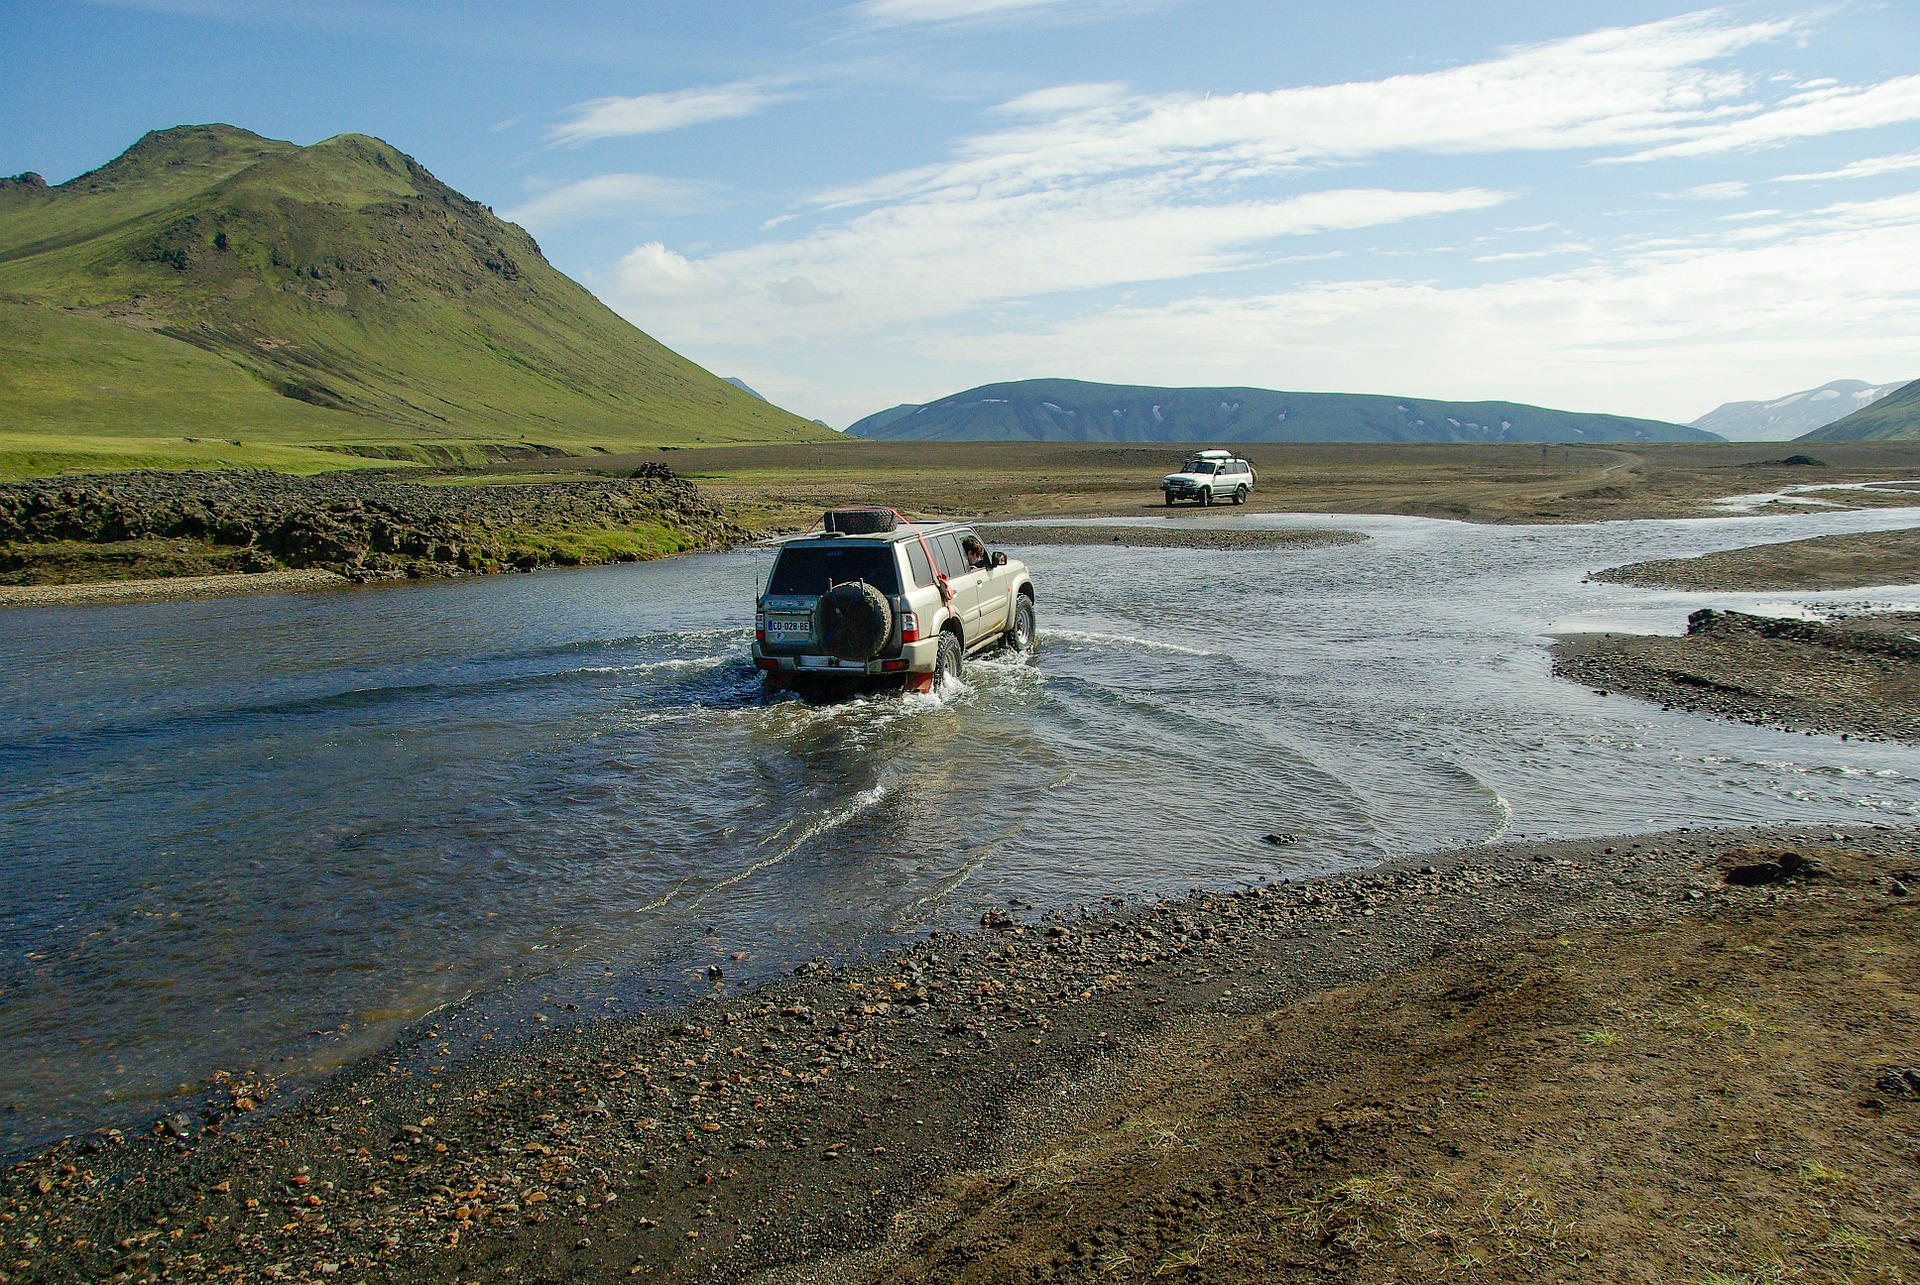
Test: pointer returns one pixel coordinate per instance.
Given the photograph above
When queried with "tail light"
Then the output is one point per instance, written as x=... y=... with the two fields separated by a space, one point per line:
x=909 y=627
x=760 y=627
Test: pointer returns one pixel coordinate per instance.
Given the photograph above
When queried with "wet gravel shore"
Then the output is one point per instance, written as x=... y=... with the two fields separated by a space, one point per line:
x=795 y=1121
x=1842 y=678
x=1823 y=562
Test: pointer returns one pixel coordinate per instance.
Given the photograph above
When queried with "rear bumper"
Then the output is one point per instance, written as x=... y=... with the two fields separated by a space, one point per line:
x=914 y=658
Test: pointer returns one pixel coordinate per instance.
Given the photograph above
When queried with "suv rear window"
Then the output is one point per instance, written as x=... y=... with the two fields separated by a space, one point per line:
x=817 y=568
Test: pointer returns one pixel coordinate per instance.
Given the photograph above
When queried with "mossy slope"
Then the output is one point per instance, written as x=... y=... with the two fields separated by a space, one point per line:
x=210 y=281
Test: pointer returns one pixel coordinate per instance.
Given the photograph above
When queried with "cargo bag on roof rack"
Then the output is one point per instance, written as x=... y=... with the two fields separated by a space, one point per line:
x=861 y=521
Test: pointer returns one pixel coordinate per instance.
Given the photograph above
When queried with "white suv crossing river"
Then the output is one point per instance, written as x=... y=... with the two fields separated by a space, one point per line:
x=873 y=599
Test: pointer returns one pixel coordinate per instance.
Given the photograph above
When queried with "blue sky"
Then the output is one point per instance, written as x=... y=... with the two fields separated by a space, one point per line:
x=1647 y=208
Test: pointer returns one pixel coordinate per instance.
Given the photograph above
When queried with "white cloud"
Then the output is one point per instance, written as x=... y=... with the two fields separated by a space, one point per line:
x=1623 y=87
x=660 y=113
x=1061 y=99
x=652 y=272
x=1838 y=289
x=942 y=258
x=1871 y=167
x=1089 y=186
x=1507 y=256
x=1727 y=191
x=1810 y=115
x=609 y=194
x=891 y=13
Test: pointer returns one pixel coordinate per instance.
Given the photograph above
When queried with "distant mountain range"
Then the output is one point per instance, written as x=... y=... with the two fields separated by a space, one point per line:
x=1057 y=410
x=1795 y=415
x=1893 y=417
x=213 y=283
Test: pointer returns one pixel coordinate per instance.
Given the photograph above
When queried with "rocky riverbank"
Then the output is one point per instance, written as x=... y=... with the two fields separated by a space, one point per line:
x=1497 y=1061
x=1850 y=677
x=357 y=525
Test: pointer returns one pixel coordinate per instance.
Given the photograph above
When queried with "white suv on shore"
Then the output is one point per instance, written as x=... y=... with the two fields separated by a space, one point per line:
x=1208 y=476
x=874 y=599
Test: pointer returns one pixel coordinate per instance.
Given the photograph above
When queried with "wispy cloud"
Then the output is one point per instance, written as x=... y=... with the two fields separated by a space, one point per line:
x=935 y=259
x=1627 y=87
x=659 y=113
x=1090 y=186
x=1871 y=167
x=1812 y=114
x=894 y=13
x=610 y=194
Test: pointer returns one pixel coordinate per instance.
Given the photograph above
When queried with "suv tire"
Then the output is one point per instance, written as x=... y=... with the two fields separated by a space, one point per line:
x=1240 y=495
x=1206 y=499
x=1169 y=499
x=947 y=661
x=1019 y=635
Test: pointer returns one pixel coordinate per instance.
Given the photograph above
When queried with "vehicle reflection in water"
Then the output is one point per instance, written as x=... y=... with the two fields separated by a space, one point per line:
x=268 y=832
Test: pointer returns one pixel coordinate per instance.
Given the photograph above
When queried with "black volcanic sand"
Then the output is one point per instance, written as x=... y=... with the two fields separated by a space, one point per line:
x=1682 y=1052
x=1843 y=678
x=1823 y=562
x=1135 y=537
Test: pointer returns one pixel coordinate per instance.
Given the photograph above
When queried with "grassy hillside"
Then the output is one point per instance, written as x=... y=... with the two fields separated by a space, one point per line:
x=1894 y=416
x=213 y=283
x=1066 y=410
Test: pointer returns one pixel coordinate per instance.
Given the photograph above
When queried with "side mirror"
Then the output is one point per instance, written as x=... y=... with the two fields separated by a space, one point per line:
x=999 y=559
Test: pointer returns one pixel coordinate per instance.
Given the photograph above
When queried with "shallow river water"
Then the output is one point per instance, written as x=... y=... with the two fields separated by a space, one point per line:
x=268 y=833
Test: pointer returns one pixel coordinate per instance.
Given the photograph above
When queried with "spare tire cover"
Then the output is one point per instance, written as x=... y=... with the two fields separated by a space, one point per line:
x=861 y=521
x=855 y=621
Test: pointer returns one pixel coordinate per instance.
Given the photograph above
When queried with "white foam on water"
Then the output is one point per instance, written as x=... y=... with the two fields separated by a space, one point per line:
x=688 y=663
x=1124 y=640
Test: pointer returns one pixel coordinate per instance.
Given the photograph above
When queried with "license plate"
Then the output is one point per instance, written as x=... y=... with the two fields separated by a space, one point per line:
x=788 y=628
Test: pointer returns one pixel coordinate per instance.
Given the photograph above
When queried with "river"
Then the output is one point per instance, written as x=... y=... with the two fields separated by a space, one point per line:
x=271 y=833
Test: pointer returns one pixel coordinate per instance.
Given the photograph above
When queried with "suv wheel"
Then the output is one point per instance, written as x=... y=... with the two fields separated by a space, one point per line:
x=1020 y=634
x=1169 y=499
x=1240 y=495
x=1206 y=499
x=946 y=663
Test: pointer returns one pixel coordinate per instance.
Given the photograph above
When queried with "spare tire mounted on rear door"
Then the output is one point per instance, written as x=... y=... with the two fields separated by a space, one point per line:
x=855 y=621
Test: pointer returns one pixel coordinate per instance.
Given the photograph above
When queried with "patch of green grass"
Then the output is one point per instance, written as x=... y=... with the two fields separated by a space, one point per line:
x=591 y=546
x=47 y=454
x=1815 y=1174
x=1600 y=1038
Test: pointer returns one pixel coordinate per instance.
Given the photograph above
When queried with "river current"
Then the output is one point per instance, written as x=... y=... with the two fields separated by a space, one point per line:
x=270 y=833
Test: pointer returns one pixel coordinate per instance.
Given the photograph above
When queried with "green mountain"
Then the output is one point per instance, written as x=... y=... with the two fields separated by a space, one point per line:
x=1897 y=415
x=1066 y=410
x=210 y=287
